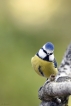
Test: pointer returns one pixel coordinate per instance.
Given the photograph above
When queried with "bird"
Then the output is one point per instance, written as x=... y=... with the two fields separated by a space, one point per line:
x=44 y=62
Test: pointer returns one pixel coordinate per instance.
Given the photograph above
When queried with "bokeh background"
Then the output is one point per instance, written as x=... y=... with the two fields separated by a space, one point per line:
x=25 y=25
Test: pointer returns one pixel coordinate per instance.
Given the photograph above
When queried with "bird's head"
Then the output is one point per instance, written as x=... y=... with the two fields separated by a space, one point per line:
x=47 y=52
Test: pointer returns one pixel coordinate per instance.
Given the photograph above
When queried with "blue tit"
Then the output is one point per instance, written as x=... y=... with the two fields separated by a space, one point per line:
x=44 y=62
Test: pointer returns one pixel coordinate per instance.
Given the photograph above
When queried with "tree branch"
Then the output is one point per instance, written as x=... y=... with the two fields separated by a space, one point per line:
x=55 y=93
x=54 y=89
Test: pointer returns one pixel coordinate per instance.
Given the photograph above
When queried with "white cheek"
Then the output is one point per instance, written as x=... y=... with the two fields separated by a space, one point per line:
x=41 y=53
x=51 y=57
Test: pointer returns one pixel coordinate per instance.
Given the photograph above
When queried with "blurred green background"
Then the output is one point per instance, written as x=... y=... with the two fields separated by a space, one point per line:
x=24 y=27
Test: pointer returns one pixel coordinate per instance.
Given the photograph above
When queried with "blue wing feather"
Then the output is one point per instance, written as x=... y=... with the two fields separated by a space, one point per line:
x=55 y=63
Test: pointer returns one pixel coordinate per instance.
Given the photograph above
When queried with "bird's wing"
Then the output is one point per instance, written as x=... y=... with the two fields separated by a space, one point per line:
x=55 y=63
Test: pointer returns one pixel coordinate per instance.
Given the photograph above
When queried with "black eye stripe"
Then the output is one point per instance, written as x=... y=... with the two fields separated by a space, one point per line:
x=44 y=50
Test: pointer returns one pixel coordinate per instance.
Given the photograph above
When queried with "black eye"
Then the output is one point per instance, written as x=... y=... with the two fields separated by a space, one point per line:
x=51 y=53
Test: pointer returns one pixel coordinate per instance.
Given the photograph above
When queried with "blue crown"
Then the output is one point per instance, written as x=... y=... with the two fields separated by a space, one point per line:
x=49 y=46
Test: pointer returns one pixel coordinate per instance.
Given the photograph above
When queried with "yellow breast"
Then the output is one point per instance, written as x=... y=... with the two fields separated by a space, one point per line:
x=42 y=67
